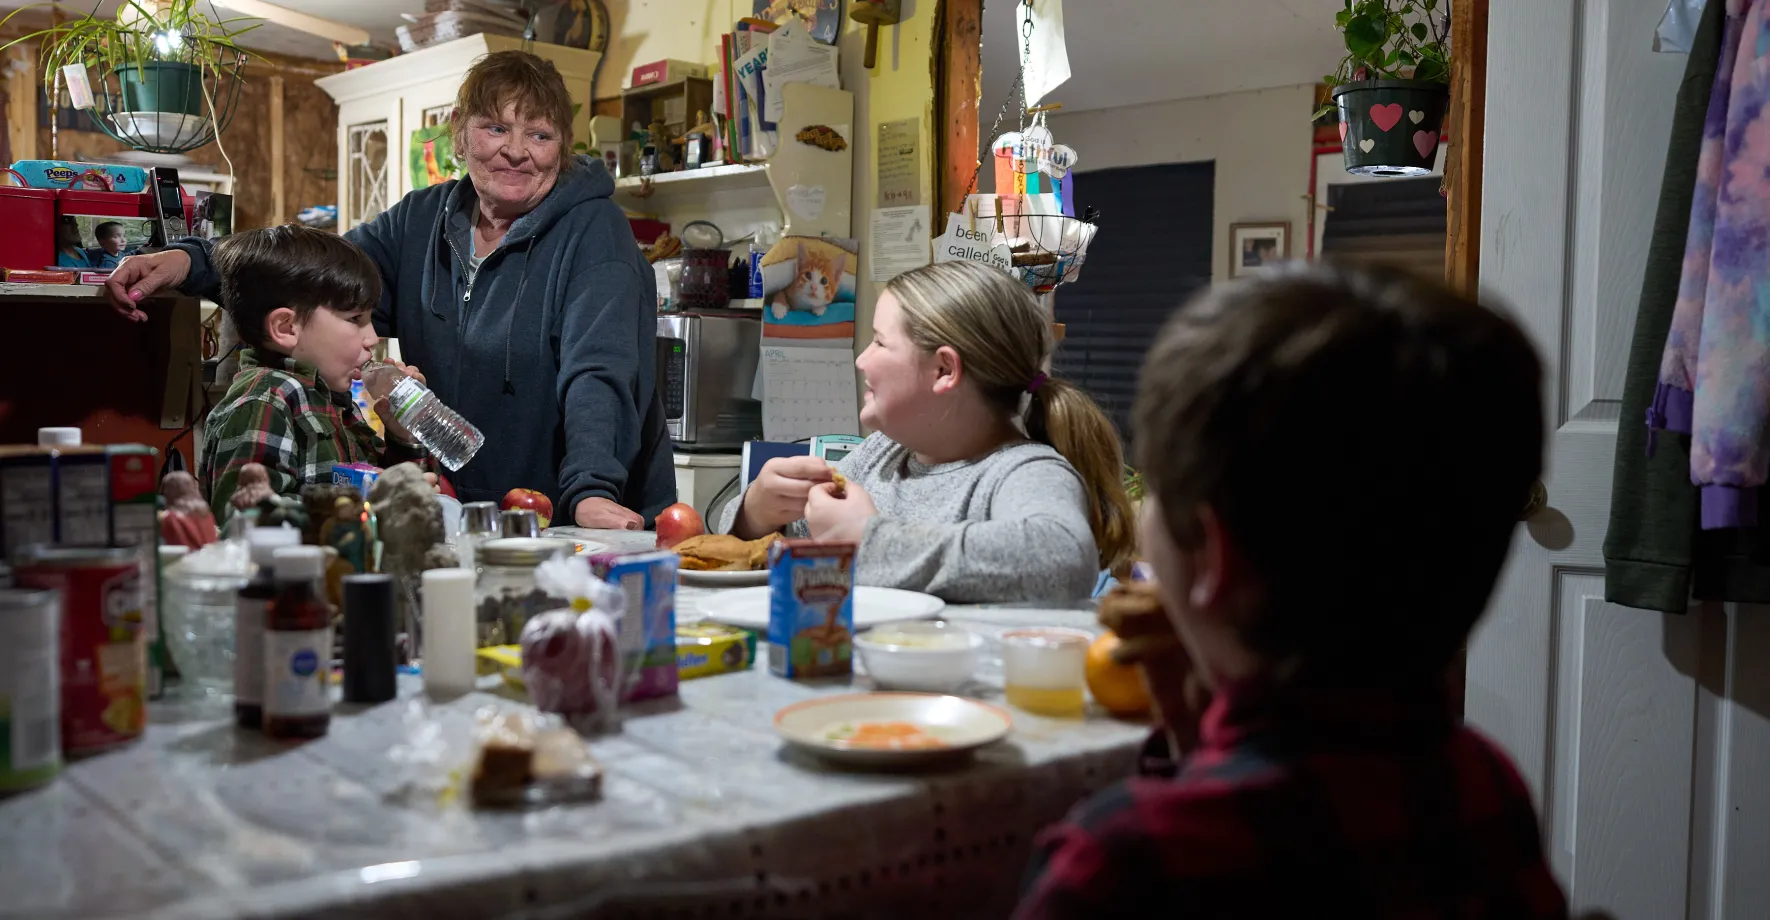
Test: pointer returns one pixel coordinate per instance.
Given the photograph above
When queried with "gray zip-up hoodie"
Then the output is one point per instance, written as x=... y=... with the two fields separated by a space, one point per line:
x=549 y=349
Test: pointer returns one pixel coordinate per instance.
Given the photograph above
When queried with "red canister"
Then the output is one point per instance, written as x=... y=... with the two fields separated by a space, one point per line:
x=103 y=642
x=27 y=226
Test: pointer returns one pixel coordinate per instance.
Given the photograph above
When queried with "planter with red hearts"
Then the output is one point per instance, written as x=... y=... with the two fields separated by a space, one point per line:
x=1391 y=127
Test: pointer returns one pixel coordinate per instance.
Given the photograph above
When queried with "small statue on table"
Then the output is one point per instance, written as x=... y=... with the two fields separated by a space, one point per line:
x=187 y=520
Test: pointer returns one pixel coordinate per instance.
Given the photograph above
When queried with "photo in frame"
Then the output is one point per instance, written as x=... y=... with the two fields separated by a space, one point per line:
x=1255 y=246
x=99 y=241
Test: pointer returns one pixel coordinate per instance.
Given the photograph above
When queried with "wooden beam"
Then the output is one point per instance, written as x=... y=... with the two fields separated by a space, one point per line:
x=958 y=71
x=279 y=210
x=1462 y=163
x=21 y=100
x=300 y=22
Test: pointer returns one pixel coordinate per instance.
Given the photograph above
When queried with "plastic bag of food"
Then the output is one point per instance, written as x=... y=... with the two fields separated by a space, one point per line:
x=526 y=758
x=571 y=660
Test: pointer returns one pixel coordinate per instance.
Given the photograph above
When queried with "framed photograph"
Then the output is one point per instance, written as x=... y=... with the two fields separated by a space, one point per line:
x=99 y=241
x=1256 y=246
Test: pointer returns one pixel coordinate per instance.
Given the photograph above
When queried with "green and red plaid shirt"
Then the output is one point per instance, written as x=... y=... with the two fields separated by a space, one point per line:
x=279 y=413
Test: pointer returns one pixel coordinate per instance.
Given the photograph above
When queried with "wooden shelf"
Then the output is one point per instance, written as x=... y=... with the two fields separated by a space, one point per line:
x=701 y=181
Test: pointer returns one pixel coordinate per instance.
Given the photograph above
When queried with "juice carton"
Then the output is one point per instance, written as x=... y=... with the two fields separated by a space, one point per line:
x=132 y=519
x=811 y=608
x=706 y=649
x=647 y=579
x=27 y=498
x=82 y=496
x=359 y=476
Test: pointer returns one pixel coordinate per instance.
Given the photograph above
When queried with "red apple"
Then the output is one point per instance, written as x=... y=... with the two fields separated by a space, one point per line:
x=529 y=500
x=677 y=523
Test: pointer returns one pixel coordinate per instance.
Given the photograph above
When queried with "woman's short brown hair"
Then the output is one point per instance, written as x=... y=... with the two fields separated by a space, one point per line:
x=503 y=78
x=1367 y=439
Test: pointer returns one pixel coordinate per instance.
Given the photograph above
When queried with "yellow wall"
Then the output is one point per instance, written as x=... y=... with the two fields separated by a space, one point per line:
x=900 y=86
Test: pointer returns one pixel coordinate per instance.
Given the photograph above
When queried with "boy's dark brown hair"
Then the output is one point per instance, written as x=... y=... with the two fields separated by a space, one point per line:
x=1367 y=439
x=291 y=266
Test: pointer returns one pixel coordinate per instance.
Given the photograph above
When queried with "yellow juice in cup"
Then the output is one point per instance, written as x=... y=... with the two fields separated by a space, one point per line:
x=1044 y=670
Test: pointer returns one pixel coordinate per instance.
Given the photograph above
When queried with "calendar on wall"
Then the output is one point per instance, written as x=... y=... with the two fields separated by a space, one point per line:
x=807 y=391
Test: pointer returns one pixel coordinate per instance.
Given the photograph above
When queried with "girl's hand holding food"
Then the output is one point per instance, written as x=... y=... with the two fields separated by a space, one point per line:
x=839 y=514
x=777 y=496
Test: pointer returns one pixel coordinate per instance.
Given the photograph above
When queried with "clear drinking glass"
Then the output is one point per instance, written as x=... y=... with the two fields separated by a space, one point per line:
x=1044 y=670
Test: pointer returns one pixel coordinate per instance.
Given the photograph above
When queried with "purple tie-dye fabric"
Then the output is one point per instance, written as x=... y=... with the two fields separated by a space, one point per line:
x=1714 y=382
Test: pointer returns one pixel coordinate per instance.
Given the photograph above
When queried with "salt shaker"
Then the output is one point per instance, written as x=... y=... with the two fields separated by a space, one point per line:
x=479 y=523
x=519 y=522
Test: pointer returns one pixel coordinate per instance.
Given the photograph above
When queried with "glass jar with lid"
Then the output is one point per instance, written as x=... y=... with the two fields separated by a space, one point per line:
x=504 y=592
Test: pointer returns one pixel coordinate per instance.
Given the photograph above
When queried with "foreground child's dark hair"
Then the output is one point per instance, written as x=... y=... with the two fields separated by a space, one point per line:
x=291 y=266
x=1368 y=440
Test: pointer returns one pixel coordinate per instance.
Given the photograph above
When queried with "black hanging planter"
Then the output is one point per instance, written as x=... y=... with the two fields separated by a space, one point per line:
x=1391 y=127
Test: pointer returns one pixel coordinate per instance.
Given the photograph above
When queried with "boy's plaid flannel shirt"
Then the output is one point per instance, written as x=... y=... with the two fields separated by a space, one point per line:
x=279 y=413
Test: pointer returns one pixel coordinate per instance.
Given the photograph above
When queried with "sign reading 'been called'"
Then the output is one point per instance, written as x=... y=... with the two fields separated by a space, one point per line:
x=959 y=244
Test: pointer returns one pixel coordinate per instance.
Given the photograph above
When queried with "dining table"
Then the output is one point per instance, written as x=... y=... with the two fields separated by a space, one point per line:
x=703 y=811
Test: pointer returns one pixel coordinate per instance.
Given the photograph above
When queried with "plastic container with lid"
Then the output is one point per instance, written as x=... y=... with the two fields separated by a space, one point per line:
x=505 y=595
x=27 y=227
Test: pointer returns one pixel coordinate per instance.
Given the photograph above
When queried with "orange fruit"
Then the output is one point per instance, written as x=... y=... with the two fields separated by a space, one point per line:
x=1118 y=687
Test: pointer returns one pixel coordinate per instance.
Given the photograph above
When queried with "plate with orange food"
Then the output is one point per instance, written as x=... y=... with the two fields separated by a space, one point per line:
x=891 y=730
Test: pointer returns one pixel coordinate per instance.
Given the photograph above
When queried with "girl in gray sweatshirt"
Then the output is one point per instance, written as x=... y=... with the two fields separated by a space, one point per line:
x=986 y=480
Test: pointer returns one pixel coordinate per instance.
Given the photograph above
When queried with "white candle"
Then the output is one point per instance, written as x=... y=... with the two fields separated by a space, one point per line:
x=449 y=635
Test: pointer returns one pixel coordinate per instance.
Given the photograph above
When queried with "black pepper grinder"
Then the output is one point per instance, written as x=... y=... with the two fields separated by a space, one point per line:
x=369 y=639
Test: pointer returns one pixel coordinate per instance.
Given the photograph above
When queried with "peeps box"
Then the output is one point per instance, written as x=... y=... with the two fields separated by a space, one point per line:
x=97 y=177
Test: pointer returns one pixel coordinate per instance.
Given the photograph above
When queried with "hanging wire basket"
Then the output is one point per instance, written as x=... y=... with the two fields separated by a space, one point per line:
x=174 y=103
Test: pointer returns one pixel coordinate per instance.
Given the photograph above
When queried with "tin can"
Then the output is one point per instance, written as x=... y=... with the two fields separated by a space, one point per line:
x=30 y=729
x=103 y=642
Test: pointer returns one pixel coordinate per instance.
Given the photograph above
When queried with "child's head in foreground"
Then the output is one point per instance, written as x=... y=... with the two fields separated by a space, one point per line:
x=1334 y=460
x=303 y=293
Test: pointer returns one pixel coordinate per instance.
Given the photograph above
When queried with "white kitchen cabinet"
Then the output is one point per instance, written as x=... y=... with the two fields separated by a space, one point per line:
x=380 y=105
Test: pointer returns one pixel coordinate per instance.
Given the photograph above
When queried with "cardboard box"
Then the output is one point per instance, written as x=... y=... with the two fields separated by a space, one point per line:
x=665 y=71
x=647 y=631
x=27 y=498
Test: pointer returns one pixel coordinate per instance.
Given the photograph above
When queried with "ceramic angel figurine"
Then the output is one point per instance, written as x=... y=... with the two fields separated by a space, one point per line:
x=187 y=520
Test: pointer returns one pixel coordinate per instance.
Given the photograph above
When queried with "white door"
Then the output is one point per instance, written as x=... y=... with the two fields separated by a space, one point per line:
x=1645 y=737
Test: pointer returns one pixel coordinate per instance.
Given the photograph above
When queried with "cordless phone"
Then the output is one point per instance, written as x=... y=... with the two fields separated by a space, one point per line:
x=169 y=205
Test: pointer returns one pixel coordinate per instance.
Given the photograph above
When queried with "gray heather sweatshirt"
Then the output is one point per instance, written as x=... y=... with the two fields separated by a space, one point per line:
x=1011 y=526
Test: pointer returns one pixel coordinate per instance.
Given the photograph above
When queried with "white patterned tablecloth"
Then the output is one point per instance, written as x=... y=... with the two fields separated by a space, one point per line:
x=704 y=814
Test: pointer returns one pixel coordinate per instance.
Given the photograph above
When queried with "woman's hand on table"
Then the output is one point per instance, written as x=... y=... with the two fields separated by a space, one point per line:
x=838 y=517
x=139 y=277
x=778 y=495
x=598 y=513
x=384 y=409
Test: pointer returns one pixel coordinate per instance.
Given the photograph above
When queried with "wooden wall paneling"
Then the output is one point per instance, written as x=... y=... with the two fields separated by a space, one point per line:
x=958 y=70
x=279 y=205
x=21 y=101
x=1467 y=130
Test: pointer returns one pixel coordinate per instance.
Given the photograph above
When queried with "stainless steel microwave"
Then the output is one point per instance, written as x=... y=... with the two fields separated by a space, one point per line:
x=707 y=373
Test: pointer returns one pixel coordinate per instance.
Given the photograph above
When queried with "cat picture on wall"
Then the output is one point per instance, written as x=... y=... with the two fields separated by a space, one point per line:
x=808 y=286
x=816 y=278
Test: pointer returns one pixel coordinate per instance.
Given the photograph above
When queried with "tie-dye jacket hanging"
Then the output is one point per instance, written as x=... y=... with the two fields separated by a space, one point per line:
x=1714 y=381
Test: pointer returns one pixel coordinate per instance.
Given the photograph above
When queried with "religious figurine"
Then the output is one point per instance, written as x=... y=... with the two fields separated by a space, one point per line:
x=187 y=520
x=252 y=487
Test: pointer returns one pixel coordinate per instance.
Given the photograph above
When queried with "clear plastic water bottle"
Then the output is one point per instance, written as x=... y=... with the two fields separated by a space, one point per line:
x=442 y=430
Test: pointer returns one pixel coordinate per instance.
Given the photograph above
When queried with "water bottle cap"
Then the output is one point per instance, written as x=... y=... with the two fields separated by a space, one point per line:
x=299 y=563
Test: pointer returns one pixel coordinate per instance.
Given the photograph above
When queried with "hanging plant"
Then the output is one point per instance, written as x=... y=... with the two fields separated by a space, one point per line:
x=1393 y=86
x=164 y=75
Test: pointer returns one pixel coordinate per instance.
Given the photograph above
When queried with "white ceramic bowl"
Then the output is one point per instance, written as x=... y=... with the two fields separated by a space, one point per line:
x=960 y=725
x=932 y=656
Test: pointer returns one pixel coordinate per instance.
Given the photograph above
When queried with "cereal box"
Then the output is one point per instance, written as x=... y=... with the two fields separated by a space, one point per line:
x=82 y=496
x=706 y=649
x=647 y=579
x=133 y=519
x=27 y=499
x=811 y=608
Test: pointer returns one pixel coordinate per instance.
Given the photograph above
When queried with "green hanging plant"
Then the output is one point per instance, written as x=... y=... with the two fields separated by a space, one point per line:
x=1391 y=40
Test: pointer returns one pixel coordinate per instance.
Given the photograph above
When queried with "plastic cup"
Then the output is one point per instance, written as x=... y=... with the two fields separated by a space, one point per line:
x=1045 y=670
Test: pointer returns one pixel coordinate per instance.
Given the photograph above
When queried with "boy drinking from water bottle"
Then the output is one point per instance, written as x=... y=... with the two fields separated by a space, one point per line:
x=302 y=301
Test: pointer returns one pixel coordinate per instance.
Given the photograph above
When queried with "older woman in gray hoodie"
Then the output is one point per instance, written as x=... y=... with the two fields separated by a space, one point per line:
x=522 y=293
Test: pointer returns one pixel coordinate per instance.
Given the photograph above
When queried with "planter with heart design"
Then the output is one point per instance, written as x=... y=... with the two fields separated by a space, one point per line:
x=1391 y=127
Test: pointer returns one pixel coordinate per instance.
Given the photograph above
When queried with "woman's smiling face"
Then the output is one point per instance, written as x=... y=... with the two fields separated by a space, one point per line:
x=513 y=161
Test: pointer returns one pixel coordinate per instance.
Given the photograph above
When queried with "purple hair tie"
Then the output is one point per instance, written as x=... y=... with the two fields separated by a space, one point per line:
x=1037 y=382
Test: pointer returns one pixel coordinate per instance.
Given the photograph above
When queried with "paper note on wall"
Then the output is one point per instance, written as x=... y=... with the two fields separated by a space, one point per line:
x=807 y=391
x=899 y=242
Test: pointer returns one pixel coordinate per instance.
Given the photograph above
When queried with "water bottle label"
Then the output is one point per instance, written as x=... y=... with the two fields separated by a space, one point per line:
x=404 y=397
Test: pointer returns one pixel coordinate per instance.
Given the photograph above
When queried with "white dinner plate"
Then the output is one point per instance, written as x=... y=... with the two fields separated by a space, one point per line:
x=959 y=724
x=723 y=579
x=748 y=607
